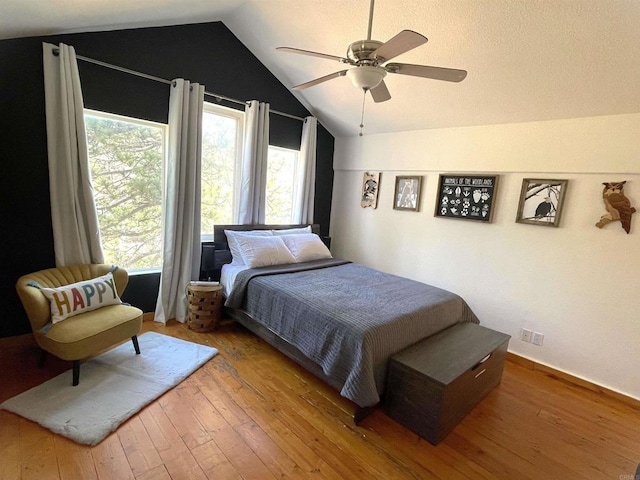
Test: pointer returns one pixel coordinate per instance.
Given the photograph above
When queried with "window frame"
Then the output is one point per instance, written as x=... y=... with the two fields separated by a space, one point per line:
x=295 y=184
x=165 y=140
x=238 y=115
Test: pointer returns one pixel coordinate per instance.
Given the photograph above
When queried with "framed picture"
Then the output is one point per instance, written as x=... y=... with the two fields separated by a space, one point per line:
x=370 y=186
x=407 y=193
x=467 y=197
x=541 y=202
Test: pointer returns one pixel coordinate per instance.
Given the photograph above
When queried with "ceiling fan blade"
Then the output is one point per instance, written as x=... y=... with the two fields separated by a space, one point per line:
x=424 y=71
x=380 y=93
x=314 y=54
x=403 y=42
x=311 y=83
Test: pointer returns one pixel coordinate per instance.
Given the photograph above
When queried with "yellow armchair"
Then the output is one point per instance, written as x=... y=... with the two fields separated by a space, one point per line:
x=83 y=335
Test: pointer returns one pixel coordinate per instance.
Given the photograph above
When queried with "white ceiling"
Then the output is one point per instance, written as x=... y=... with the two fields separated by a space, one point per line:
x=527 y=60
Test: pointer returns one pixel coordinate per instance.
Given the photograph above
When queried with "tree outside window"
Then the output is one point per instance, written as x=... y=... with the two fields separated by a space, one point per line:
x=281 y=176
x=126 y=158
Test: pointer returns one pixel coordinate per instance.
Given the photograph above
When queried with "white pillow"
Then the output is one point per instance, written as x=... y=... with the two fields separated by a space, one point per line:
x=292 y=231
x=76 y=298
x=306 y=247
x=232 y=241
x=261 y=251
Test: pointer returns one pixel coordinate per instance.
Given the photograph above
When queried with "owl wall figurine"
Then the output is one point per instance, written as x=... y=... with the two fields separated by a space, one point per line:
x=617 y=205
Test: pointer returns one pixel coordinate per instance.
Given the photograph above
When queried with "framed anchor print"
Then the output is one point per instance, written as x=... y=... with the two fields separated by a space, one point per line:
x=466 y=197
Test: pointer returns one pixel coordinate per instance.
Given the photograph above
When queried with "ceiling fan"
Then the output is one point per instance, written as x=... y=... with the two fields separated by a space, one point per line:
x=368 y=59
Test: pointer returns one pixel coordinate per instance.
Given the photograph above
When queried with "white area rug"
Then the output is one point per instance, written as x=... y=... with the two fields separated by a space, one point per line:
x=113 y=386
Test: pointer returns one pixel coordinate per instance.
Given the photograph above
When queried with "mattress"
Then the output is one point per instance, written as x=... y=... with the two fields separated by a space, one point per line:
x=346 y=318
x=228 y=276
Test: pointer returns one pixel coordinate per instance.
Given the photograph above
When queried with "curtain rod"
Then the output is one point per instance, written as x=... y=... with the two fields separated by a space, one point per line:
x=169 y=82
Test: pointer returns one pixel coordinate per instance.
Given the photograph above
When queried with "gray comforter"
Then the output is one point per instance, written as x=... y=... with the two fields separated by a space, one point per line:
x=347 y=318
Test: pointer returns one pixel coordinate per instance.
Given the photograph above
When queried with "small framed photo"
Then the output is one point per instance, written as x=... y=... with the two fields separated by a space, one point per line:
x=407 y=193
x=541 y=202
x=467 y=197
x=370 y=186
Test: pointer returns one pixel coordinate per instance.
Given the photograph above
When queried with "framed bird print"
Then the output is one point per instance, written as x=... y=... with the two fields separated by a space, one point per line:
x=541 y=201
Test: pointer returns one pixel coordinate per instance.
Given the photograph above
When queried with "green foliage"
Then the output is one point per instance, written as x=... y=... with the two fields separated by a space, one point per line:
x=126 y=161
x=218 y=166
x=126 y=168
x=281 y=169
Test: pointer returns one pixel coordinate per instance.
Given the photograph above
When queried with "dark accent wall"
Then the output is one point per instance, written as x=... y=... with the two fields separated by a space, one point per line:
x=206 y=53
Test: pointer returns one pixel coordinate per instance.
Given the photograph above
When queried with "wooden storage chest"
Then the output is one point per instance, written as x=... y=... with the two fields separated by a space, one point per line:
x=433 y=384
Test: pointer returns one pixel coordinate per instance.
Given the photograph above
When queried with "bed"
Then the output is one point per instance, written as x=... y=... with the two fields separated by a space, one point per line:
x=338 y=319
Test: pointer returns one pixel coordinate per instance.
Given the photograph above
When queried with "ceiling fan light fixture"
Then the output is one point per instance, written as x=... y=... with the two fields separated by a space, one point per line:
x=366 y=77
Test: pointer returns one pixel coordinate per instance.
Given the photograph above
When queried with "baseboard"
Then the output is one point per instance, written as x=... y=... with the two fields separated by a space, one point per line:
x=572 y=380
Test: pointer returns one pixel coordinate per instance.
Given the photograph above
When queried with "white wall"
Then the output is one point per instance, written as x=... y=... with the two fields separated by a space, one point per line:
x=576 y=284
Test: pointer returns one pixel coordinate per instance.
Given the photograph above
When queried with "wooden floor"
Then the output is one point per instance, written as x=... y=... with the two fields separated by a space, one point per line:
x=250 y=413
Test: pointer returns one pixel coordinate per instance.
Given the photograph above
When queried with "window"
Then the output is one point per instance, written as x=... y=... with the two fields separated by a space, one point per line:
x=222 y=130
x=126 y=157
x=281 y=179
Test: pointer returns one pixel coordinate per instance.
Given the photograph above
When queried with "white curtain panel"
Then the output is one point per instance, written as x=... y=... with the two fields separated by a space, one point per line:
x=181 y=201
x=253 y=181
x=76 y=233
x=305 y=190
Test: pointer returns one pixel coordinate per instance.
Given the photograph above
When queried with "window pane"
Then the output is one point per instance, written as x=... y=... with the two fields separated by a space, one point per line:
x=221 y=151
x=126 y=157
x=281 y=174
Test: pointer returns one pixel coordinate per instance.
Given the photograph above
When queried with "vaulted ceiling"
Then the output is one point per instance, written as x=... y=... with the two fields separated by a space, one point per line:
x=527 y=60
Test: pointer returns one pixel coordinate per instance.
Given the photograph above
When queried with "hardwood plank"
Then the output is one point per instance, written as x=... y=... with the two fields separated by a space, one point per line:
x=348 y=437
x=213 y=462
x=191 y=431
x=38 y=459
x=240 y=455
x=251 y=412
x=9 y=447
x=270 y=454
x=250 y=399
x=548 y=439
x=262 y=415
x=572 y=380
x=74 y=460
x=157 y=473
x=138 y=447
x=110 y=460
x=177 y=458
x=437 y=462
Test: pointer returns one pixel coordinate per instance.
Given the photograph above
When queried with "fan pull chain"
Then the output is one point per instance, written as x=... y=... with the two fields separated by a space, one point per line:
x=364 y=96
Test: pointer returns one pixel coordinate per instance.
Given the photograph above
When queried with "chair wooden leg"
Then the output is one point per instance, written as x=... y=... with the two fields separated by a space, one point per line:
x=76 y=372
x=134 y=339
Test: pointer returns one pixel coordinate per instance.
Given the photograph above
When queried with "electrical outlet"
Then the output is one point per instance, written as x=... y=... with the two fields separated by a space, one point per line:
x=525 y=335
x=537 y=338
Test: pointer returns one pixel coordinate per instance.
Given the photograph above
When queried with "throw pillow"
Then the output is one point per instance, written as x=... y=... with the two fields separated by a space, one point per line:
x=75 y=298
